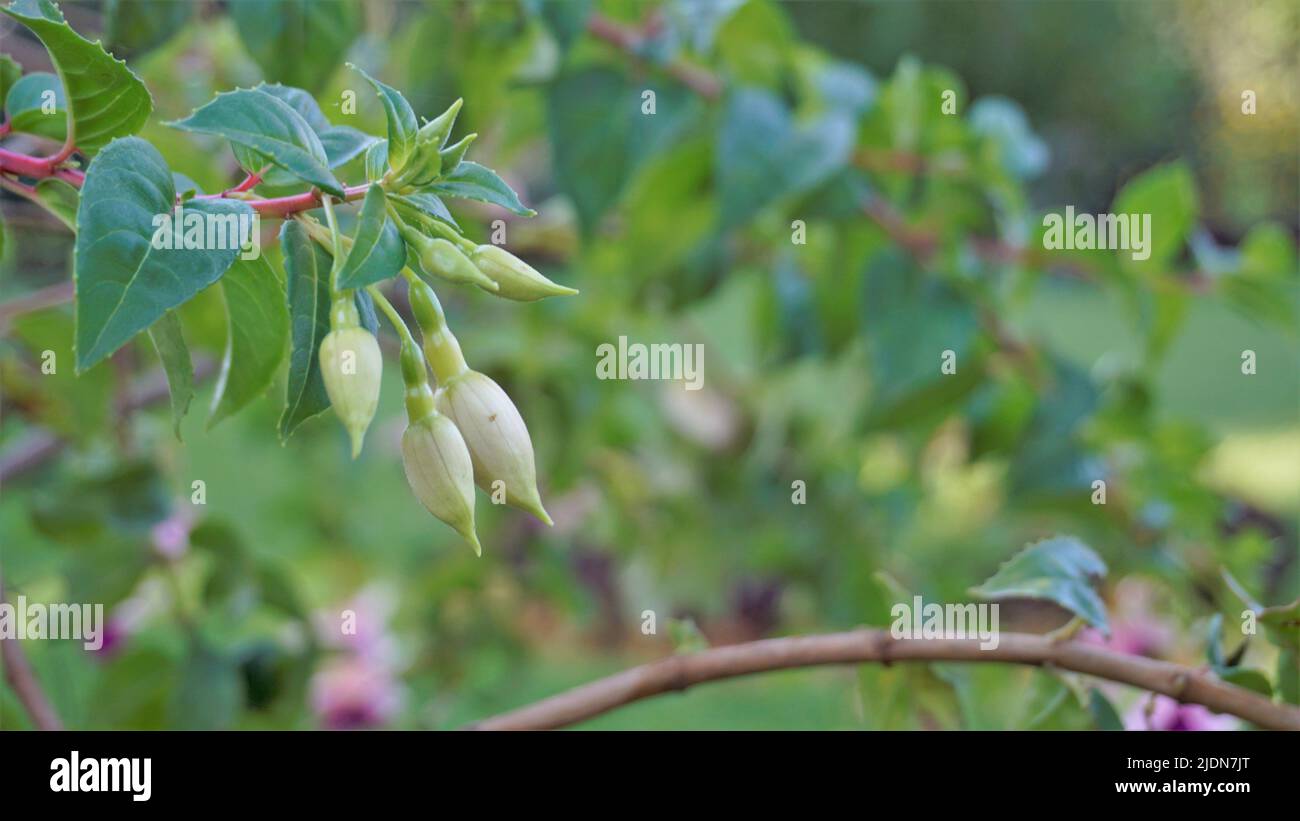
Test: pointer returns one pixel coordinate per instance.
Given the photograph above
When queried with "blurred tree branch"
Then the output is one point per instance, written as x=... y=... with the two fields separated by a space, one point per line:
x=679 y=672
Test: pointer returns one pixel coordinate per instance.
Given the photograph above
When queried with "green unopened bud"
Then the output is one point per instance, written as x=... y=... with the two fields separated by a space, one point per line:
x=441 y=348
x=351 y=366
x=441 y=473
x=437 y=130
x=440 y=258
x=453 y=154
x=497 y=438
x=515 y=278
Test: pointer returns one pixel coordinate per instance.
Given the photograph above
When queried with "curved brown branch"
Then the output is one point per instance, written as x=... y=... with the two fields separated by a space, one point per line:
x=23 y=681
x=682 y=671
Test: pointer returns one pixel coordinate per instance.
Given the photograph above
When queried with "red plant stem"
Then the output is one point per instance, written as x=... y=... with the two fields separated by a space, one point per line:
x=43 y=168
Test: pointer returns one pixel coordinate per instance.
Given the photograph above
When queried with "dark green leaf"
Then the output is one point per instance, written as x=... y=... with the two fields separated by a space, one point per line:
x=175 y=355
x=258 y=328
x=142 y=25
x=472 y=181
x=1061 y=570
x=210 y=692
x=36 y=105
x=297 y=42
x=1245 y=677
x=378 y=251
x=90 y=76
x=124 y=283
x=268 y=125
x=340 y=142
x=1103 y=712
x=307 y=273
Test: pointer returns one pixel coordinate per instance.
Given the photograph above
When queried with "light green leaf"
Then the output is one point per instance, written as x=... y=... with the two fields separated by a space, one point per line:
x=106 y=99
x=402 y=125
x=175 y=355
x=1061 y=570
x=258 y=328
x=60 y=198
x=269 y=126
x=36 y=105
x=297 y=42
x=431 y=205
x=124 y=283
x=10 y=71
x=1168 y=194
x=377 y=161
x=307 y=274
x=341 y=142
x=471 y=181
x=378 y=251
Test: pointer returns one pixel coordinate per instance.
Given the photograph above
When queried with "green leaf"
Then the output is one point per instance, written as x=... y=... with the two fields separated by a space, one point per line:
x=141 y=25
x=565 y=19
x=1168 y=194
x=402 y=125
x=210 y=692
x=471 y=181
x=36 y=105
x=1061 y=570
x=106 y=99
x=340 y=142
x=378 y=251
x=124 y=283
x=430 y=205
x=297 y=42
x=269 y=126
x=761 y=156
x=1288 y=675
x=307 y=274
x=1282 y=622
x=366 y=308
x=258 y=328
x=1103 y=712
x=10 y=71
x=599 y=135
x=60 y=198
x=175 y=355
x=1246 y=677
x=377 y=161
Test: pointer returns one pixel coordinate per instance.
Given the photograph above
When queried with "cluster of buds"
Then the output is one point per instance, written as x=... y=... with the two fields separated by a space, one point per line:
x=468 y=431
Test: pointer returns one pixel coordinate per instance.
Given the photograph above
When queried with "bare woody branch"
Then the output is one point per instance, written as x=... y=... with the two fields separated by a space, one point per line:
x=679 y=672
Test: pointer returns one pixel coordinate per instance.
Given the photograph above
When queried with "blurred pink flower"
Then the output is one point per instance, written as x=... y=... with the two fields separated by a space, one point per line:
x=1168 y=714
x=352 y=693
x=1135 y=630
x=171 y=536
x=360 y=627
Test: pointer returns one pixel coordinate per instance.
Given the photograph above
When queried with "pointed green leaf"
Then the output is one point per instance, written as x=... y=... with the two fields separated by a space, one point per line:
x=258 y=327
x=105 y=98
x=378 y=252
x=1061 y=570
x=402 y=125
x=175 y=355
x=307 y=274
x=471 y=181
x=123 y=282
x=341 y=142
x=1168 y=194
x=36 y=105
x=1246 y=677
x=269 y=126
x=1103 y=712
x=431 y=205
x=377 y=161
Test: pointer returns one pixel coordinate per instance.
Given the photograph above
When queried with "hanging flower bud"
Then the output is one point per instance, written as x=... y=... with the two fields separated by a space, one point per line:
x=441 y=474
x=436 y=131
x=516 y=279
x=496 y=436
x=434 y=455
x=351 y=366
x=441 y=258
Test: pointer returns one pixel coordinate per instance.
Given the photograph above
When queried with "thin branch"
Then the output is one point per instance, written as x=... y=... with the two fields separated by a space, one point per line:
x=679 y=672
x=23 y=680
